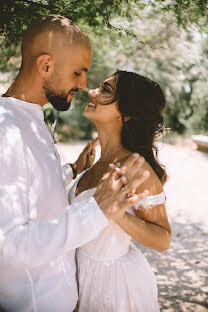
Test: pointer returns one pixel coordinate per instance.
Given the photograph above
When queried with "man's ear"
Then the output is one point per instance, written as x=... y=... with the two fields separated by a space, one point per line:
x=45 y=65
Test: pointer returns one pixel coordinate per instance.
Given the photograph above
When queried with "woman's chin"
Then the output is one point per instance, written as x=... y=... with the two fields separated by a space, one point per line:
x=87 y=114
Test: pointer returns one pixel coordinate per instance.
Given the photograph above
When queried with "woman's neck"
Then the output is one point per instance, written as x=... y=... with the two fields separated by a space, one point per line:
x=111 y=146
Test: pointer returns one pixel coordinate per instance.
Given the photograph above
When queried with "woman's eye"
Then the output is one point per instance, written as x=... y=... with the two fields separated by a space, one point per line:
x=106 y=90
x=77 y=74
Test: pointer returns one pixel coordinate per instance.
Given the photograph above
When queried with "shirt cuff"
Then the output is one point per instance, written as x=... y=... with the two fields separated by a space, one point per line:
x=101 y=219
x=67 y=174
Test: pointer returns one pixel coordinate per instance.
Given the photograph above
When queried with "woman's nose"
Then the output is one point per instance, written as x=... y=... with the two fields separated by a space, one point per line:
x=93 y=92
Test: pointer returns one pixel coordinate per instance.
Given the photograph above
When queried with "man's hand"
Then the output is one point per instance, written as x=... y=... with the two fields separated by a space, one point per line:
x=115 y=193
x=87 y=157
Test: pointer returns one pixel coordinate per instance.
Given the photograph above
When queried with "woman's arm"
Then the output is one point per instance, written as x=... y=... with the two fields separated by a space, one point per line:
x=150 y=226
x=152 y=230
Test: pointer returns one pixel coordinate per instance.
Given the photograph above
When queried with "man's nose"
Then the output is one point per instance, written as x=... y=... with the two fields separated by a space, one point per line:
x=82 y=84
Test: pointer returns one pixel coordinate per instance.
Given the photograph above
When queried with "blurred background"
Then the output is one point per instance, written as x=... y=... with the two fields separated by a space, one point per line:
x=167 y=41
x=164 y=40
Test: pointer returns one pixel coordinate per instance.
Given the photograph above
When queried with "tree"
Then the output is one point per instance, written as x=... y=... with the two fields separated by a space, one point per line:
x=177 y=59
x=155 y=37
x=16 y=15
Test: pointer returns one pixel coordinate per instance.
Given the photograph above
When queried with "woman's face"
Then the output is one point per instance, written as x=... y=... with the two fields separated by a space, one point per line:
x=99 y=109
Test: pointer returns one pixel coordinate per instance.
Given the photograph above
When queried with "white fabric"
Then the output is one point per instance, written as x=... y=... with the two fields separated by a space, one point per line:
x=113 y=275
x=151 y=201
x=38 y=230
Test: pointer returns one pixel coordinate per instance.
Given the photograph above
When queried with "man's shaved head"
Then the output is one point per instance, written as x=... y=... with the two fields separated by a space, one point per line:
x=56 y=56
x=49 y=35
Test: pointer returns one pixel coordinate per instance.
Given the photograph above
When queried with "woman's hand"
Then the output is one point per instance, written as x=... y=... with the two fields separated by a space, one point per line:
x=150 y=227
x=116 y=189
x=86 y=158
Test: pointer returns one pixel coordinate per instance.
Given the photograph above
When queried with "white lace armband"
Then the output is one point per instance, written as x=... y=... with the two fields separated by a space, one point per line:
x=151 y=201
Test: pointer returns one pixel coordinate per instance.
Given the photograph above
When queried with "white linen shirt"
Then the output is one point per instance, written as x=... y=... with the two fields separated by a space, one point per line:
x=38 y=230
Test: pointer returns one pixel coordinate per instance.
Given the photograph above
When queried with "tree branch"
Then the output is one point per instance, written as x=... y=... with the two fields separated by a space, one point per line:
x=41 y=5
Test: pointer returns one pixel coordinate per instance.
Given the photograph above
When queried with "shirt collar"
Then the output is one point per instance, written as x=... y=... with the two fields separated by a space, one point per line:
x=33 y=107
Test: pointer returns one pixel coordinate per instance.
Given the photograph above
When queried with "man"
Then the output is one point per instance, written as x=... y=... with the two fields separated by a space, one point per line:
x=38 y=232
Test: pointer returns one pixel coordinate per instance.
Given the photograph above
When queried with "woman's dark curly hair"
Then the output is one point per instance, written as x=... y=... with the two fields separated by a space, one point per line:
x=142 y=100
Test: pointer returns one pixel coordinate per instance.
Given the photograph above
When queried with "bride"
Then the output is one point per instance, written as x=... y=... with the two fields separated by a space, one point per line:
x=113 y=275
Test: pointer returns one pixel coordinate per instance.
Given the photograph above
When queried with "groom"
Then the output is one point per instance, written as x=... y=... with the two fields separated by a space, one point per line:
x=39 y=232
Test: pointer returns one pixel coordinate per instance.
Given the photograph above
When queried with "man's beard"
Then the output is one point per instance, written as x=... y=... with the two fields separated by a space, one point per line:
x=59 y=101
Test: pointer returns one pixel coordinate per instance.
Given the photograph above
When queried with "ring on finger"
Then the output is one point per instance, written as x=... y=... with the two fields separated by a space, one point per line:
x=124 y=178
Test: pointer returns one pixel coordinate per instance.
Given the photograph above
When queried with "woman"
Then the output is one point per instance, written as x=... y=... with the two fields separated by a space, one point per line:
x=113 y=275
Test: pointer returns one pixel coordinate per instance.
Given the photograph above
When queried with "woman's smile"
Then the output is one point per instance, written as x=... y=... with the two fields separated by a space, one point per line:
x=90 y=106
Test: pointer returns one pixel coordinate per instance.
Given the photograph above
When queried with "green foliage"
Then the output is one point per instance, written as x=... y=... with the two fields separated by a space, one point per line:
x=15 y=16
x=164 y=40
x=175 y=58
x=7 y=52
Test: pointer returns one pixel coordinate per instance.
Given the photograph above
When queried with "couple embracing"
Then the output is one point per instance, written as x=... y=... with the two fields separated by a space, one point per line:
x=120 y=197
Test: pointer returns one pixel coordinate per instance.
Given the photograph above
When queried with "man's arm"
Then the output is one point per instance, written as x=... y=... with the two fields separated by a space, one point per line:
x=24 y=240
x=32 y=242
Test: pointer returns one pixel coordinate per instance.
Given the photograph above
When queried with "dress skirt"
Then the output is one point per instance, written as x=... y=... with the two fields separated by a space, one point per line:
x=124 y=284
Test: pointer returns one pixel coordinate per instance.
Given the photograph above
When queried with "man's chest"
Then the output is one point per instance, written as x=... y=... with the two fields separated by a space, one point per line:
x=46 y=192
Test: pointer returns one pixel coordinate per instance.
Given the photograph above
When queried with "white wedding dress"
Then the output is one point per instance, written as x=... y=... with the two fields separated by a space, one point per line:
x=113 y=275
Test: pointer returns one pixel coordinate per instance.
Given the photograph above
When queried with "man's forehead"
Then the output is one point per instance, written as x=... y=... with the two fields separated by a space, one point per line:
x=77 y=67
x=81 y=59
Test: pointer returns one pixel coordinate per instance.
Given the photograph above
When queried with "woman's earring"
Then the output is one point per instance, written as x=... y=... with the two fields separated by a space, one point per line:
x=126 y=118
x=119 y=118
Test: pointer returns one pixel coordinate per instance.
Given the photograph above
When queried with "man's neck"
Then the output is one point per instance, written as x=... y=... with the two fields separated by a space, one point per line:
x=22 y=89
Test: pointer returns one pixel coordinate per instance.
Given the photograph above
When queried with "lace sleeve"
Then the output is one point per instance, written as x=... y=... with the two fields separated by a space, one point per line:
x=151 y=201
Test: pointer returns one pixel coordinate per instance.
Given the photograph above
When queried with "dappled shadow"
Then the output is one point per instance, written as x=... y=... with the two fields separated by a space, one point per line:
x=182 y=270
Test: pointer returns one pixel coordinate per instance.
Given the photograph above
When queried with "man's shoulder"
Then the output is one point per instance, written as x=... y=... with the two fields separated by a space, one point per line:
x=7 y=108
x=8 y=114
x=12 y=144
x=10 y=124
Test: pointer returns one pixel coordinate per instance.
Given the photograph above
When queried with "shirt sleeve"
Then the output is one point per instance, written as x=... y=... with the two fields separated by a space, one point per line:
x=33 y=243
x=67 y=174
x=23 y=240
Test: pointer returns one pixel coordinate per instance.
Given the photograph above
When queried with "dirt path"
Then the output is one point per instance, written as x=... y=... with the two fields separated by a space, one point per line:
x=182 y=271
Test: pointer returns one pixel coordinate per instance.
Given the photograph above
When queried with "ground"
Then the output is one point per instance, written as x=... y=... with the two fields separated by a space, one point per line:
x=181 y=271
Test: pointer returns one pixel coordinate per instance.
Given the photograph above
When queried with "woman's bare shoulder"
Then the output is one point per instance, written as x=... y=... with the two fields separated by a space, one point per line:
x=152 y=183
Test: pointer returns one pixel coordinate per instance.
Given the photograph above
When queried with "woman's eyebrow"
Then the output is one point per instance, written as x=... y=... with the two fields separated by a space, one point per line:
x=107 y=84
